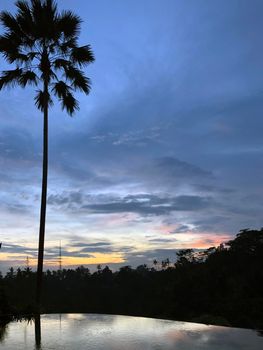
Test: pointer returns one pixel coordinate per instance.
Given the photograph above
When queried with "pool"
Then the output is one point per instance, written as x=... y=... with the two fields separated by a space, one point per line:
x=113 y=332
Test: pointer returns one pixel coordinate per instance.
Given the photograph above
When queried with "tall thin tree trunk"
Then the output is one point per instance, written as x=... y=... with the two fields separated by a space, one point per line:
x=43 y=205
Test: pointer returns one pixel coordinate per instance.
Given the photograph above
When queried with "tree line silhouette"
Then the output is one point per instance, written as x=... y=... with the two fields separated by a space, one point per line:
x=220 y=285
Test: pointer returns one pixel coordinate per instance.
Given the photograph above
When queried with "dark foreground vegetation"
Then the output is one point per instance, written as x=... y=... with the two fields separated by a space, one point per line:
x=222 y=285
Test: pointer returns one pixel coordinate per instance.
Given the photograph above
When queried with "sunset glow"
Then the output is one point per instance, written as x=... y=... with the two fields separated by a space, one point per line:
x=157 y=158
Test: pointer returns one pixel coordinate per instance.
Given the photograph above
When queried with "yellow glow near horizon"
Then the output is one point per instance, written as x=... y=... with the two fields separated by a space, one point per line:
x=97 y=258
x=13 y=256
x=196 y=240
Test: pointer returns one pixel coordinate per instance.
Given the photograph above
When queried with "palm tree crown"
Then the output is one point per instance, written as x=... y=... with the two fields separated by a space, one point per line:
x=43 y=45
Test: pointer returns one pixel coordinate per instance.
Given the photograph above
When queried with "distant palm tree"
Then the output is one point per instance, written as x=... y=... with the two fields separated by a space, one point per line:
x=43 y=46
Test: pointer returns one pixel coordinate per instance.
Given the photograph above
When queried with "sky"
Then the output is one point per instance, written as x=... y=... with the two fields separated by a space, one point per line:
x=165 y=153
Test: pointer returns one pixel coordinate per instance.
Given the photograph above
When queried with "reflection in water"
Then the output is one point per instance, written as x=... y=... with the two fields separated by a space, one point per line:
x=3 y=331
x=38 y=332
x=90 y=331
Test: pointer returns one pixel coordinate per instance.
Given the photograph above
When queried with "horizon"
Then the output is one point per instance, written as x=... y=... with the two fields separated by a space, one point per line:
x=164 y=154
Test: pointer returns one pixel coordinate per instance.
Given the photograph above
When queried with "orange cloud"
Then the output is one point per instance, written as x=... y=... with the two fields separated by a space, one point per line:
x=200 y=240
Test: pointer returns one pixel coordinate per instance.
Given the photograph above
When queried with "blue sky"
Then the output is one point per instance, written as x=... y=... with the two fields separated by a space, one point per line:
x=165 y=153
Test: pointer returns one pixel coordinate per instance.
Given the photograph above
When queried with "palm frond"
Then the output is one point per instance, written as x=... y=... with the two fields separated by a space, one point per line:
x=71 y=72
x=69 y=24
x=67 y=45
x=25 y=20
x=63 y=92
x=61 y=63
x=69 y=103
x=20 y=58
x=42 y=100
x=82 y=83
x=33 y=54
x=9 y=47
x=61 y=89
x=23 y=7
x=78 y=79
x=36 y=10
x=50 y=7
x=10 y=77
x=28 y=77
x=48 y=74
x=16 y=56
x=50 y=14
x=9 y=22
x=41 y=27
x=82 y=55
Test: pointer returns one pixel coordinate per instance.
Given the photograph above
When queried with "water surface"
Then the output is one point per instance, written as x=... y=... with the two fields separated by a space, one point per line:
x=91 y=331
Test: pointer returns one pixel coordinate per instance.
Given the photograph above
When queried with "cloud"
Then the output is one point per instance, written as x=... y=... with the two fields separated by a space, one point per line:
x=177 y=138
x=16 y=248
x=161 y=240
x=175 y=168
x=96 y=247
x=75 y=197
x=181 y=229
x=143 y=204
x=92 y=245
x=150 y=204
x=209 y=188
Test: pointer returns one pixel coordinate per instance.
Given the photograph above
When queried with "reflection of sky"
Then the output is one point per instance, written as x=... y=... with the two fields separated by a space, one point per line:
x=80 y=331
x=165 y=153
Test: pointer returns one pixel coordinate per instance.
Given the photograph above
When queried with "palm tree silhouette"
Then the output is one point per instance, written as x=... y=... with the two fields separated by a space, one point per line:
x=43 y=46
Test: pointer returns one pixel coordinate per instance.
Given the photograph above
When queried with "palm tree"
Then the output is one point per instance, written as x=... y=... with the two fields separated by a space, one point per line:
x=43 y=46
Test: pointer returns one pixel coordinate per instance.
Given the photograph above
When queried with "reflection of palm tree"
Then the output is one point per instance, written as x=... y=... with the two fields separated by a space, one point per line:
x=3 y=330
x=38 y=331
x=43 y=45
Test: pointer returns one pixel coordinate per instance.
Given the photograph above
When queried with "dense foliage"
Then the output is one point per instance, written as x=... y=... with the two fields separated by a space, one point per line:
x=222 y=285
